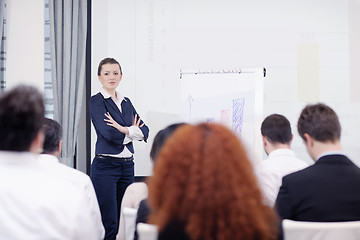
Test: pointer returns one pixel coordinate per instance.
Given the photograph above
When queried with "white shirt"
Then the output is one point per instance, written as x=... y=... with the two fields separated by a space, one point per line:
x=45 y=200
x=270 y=172
x=134 y=194
x=134 y=132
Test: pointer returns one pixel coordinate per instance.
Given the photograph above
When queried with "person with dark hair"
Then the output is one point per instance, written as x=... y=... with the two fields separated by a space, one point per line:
x=49 y=159
x=203 y=187
x=117 y=125
x=38 y=203
x=277 y=138
x=53 y=137
x=327 y=191
x=20 y=123
x=160 y=139
x=136 y=193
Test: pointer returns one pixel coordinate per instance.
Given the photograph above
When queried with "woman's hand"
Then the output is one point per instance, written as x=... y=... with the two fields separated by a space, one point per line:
x=111 y=122
x=136 y=122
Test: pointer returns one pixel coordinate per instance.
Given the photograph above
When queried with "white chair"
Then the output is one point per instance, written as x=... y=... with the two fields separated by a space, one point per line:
x=129 y=215
x=298 y=230
x=147 y=231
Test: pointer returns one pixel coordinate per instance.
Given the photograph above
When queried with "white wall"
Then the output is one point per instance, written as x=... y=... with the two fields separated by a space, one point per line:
x=154 y=39
x=25 y=52
x=25 y=43
x=309 y=48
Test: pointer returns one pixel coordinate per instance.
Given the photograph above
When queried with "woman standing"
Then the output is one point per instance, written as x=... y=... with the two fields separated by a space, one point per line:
x=117 y=125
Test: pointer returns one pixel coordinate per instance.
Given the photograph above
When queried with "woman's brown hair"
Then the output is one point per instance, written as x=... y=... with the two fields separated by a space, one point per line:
x=108 y=60
x=203 y=179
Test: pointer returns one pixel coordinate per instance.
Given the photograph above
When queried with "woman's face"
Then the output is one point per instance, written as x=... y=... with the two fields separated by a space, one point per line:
x=110 y=76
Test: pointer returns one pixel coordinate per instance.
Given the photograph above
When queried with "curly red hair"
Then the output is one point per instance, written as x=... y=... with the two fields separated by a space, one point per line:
x=203 y=178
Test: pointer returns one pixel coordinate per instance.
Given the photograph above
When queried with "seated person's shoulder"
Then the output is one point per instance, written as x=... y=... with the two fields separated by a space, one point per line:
x=302 y=175
x=137 y=186
x=138 y=190
x=63 y=171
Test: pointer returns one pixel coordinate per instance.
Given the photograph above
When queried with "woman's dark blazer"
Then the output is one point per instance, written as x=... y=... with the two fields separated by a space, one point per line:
x=109 y=139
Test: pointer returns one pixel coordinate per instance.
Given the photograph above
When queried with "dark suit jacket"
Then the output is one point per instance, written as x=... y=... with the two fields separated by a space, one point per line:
x=109 y=139
x=327 y=191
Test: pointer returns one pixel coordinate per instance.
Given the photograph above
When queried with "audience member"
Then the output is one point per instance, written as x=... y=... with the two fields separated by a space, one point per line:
x=277 y=138
x=203 y=187
x=136 y=193
x=49 y=158
x=37 y=203
x=327 y=191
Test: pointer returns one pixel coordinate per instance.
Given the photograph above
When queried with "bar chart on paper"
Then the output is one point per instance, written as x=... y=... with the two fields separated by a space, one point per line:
x=232 y=97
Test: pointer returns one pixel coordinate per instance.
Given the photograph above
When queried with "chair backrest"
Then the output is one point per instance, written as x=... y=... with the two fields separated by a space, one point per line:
x=298 y=230
x=147 y=231
x=129 y=215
